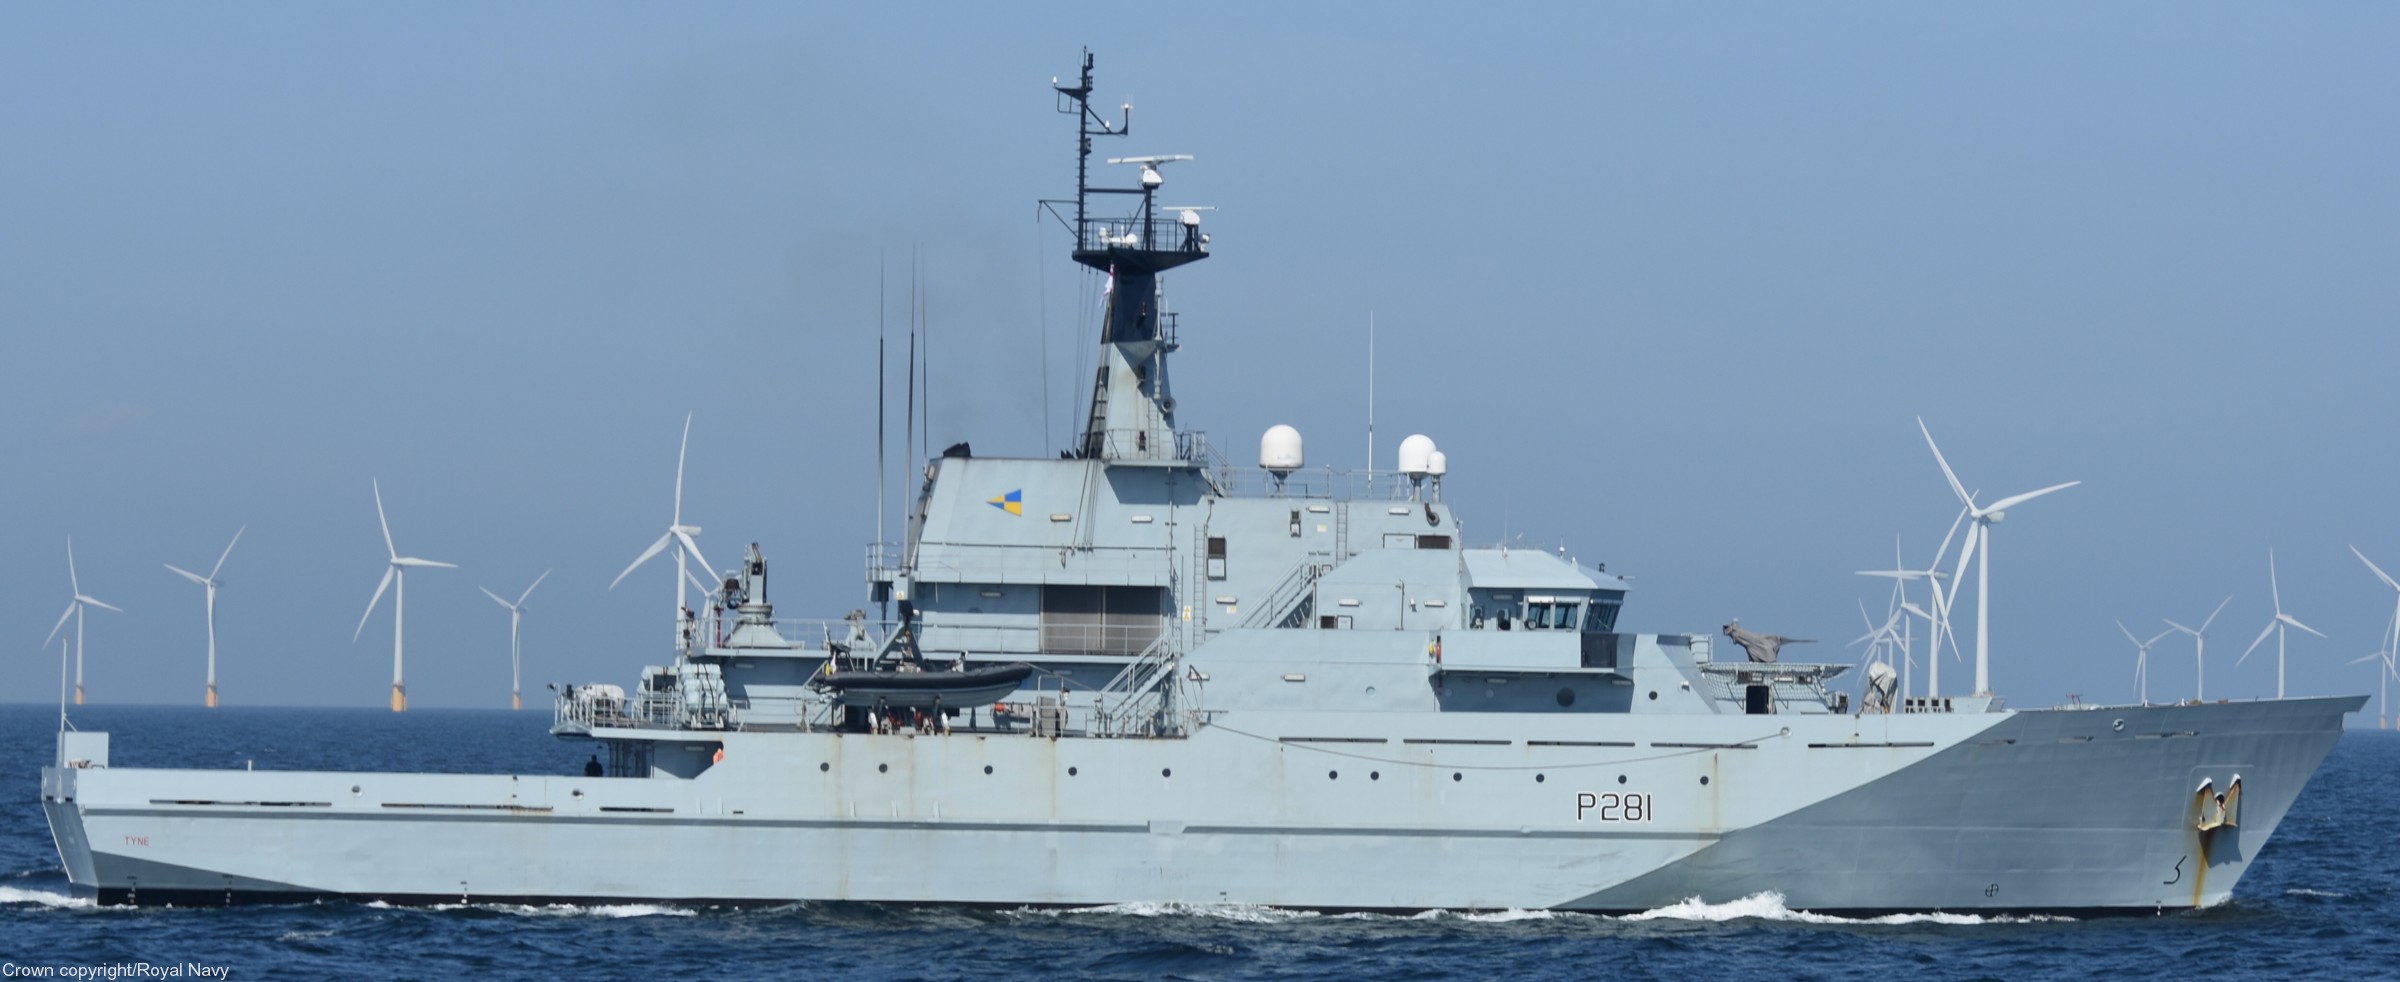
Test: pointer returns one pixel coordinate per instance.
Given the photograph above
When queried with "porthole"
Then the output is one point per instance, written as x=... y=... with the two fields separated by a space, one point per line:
x=1456 y=776
x=987 y=768
x=1166 y=772
x=1333 y=775
x=824 y=767
x=1070 y=772
x=883 y=768
x=1566 y=697
x=1537 y=779
x=1374 y=775
x=1620 y=779
x=1704 y=779
x=1654 y=695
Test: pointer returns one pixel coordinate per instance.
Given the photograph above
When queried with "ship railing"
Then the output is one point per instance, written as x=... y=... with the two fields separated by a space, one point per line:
x=1139 y=700
x=1162 y=232
x=1135 y=443
x=1794 y=686
x=884 y=561
x=1323 y=484
x=1284 y=602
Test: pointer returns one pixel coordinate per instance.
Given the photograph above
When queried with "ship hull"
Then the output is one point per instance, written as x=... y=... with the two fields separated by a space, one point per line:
x=2050 y=810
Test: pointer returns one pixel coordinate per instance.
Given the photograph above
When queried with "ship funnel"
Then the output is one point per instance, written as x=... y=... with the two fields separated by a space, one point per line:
x=1279 y=450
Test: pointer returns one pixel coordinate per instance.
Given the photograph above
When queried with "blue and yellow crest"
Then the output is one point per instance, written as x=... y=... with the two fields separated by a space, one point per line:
x=1012 y=502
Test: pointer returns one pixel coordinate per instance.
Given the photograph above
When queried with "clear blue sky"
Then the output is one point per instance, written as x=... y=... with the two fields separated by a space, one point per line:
x=1668 y=284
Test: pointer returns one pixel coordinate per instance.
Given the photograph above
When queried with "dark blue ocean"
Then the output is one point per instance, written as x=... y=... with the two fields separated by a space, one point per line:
x=2320 y=902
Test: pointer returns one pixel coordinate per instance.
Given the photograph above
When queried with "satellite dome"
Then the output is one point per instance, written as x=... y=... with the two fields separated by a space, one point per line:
x=1279 y=449
x=1416 y=454
x=1437 y=463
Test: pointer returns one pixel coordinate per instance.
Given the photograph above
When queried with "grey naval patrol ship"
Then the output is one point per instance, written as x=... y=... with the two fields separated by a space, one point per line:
x=1140 y=672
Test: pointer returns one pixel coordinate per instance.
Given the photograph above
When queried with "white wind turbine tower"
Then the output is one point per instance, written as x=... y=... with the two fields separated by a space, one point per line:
x=210 y=582
x=75 y=610
x=2141 y=660
x=2200 y=649
x=2276 y=627
x=1980 y=536
x=2385 y=671
x=516 y=613
x=679 y=535
x=396 y=577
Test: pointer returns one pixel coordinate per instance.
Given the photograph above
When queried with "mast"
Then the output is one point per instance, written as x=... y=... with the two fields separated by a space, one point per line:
x=1132 y=415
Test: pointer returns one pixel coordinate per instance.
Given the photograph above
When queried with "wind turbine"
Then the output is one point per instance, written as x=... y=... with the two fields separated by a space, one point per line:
x=2276 y=627
x=1900 y=575
x=2394 y=628
x=395 y=576
x=75 y=610
x=2141 y=661
x=2200 y=649
x=678 y=534
x=210 y=582
x=516 y=612
x=1980 y=536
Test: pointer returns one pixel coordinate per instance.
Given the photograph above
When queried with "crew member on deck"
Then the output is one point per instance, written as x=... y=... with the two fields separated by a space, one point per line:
x=592 y=767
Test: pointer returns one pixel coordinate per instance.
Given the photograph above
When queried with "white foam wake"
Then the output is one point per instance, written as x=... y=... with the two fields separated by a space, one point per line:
x=1486 y=916
x=1769 y=906
x=46 y=898
x=555 y=910
x=1245 y=913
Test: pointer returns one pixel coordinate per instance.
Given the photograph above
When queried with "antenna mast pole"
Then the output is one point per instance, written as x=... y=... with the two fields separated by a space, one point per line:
x=1370 y=400
x=882 y=442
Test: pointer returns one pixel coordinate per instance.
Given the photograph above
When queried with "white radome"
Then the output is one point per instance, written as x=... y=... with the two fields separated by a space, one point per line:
x=1437 y=463
x=1416 y=455
x=1279 y=449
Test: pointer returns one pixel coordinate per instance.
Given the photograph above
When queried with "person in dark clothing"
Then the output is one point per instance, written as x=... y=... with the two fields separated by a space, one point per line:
x=593 y=768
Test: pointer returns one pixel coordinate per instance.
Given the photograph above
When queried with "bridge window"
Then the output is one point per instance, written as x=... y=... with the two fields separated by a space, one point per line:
x=1604 y=614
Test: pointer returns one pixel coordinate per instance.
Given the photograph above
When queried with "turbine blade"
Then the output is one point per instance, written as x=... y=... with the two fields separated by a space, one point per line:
x=2180 y=627
x=496 y=598
x=90 y=602
x=2295 y=622
x=1966 y=554
x=2212 y=615
x=237 y=537
x=1955 y=487
x=61 y=625
x=388 y=572
x=2360 y=660
x=1946 y=537
x=2155 y=640
x=388 y=547
x=2262 y=639
x=2129 y=634
x=2274 y=587
x=694 y=547
x=414 y=561
x=679 y=454
x=2379 y=573
x=537 y=581
x=2005 y=504
x=654 y=549
x=187 y=574
x=71 y=580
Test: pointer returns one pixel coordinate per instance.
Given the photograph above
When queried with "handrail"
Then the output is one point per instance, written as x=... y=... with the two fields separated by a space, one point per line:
x=1279 y=607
